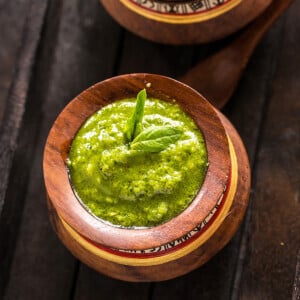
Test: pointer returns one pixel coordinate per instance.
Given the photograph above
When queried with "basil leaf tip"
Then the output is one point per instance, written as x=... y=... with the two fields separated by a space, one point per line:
x=156 y=139
x=134 y=123
x=152 y=139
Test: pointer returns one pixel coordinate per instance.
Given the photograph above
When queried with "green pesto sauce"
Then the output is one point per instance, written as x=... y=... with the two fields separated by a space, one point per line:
x=133 y=188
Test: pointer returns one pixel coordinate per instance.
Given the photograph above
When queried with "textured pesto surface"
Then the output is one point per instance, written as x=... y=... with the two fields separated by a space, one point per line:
x=133 y=188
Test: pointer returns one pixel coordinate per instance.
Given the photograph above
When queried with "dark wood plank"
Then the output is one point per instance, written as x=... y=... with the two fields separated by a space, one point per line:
x=247 y=111
x=248 y=118
x=12 y=20
x=91 y=285
x=10 y=206
x=79 y=48
x=14 y=110
x=140 y=55
x=296 y=286
x=274 y=240
x=215 y=280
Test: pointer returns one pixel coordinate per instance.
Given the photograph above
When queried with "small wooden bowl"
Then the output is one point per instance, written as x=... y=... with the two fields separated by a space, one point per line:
x=184 y=21
x=177 y=246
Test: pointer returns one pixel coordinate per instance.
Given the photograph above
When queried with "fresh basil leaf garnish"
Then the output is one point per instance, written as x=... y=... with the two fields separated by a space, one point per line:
x=156 y=139
x=134 y=123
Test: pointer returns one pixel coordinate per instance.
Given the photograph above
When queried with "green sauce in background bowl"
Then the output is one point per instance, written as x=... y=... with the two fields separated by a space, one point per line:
x=142 y=180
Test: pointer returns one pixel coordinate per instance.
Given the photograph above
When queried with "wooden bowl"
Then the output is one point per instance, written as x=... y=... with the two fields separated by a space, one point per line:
x=184 y=22
x=177 y=246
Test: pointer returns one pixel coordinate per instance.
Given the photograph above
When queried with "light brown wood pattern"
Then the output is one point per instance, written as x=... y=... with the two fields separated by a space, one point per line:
x=63 y=202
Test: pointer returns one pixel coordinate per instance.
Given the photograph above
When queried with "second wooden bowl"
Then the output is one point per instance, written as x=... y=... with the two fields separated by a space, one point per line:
x=178 y=246
x=184 y=21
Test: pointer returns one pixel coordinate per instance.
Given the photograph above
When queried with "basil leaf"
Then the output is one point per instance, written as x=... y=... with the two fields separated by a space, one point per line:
x=156 y=139
x=134 y=123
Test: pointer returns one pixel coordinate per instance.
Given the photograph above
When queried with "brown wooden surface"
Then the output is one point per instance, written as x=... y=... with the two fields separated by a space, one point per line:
x=81 y=45
x=277 y=175
x=11 y=33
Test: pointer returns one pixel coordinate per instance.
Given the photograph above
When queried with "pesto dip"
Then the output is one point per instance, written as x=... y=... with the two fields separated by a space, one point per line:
x=136 y=188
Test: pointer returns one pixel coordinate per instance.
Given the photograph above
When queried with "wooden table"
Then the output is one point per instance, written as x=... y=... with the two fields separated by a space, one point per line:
x=52 y=50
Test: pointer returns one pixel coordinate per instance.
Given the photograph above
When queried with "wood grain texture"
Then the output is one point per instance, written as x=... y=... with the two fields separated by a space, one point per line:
x=176 y=34
x=49 y=271
x=12 y=21
x=14 y=152
x=90 y=284
x=217 y=76
x=248 y=116
x=296 y=285
x=142 y=56
x=274 y=236
x=14 y=110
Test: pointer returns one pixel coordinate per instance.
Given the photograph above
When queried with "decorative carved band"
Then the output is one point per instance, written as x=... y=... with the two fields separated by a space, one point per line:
x=185 y=12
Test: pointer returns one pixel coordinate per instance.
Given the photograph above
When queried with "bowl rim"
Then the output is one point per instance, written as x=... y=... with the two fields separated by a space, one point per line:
x=211 y=12
x=73 y=116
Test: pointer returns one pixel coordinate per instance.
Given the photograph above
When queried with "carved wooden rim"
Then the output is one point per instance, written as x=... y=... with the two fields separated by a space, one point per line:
x=116 y=88
x=150 y=9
